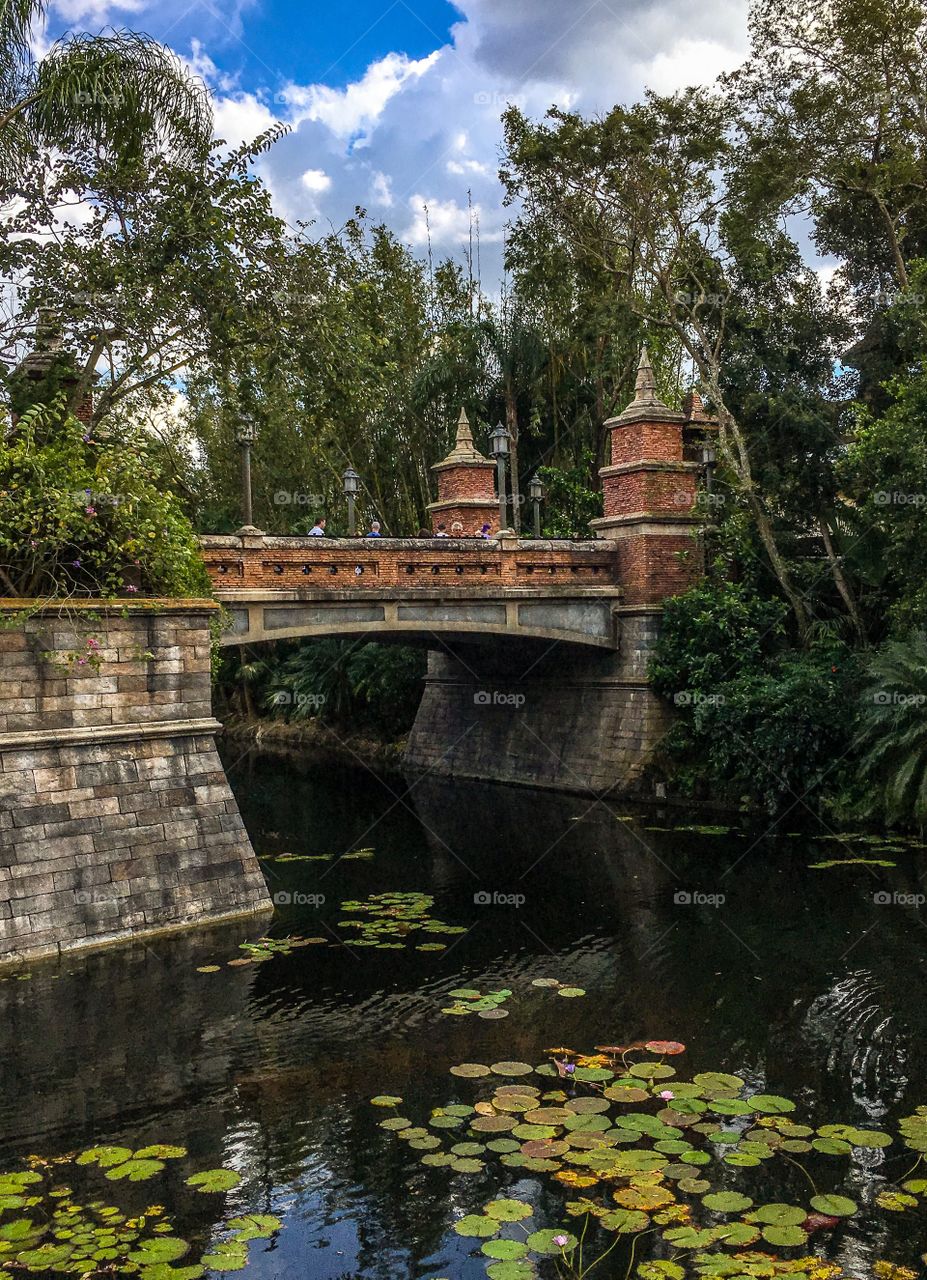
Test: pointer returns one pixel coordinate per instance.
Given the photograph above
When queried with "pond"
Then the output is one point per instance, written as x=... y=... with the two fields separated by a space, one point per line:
x=562 y=924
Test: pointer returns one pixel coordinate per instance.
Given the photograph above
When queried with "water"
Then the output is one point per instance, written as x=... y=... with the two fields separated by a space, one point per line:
x=804 y=982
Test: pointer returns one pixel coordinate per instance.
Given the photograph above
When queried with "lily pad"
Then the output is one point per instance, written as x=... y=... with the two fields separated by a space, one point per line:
x=727 y=1202
x=477 y=1224
x=214 y=1180
x=552 y=1241
x=504 y=1250
x=834 y=1206
x=508 y=1210
x=511 y=1068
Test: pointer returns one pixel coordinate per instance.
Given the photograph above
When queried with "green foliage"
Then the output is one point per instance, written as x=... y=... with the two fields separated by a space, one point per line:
x=89 y=514
x=120 y=92
x=569 y=502
x=340 y=682
x=892 y=735
x=760 y=722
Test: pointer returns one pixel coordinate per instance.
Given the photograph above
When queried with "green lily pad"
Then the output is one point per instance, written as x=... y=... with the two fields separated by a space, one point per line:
x=508 y=1210
x=788 y=1236
x=770 y=1104
x=570 y=993
x=135 y=1170
x=160 y=1151
x=387 y=1100
x=470 y=1070
x=546 y=1241
x=511 y=1271
x=511 y=1068
x=504 y=1250
x=727 y=1202
x=162 y=1249
x=105 y=1157
x=834 y=1206
x=214 y=1180
x=255 y=1226
x=625 y=1221
x=477 y=1224
x=779 y=1215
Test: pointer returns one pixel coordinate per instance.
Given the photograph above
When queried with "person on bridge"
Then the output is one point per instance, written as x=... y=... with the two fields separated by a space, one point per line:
x=374 y=530
x=318 y=529
x=442 y=531
x=485 y=532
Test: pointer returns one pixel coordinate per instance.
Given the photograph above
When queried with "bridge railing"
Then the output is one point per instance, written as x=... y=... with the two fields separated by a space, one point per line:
x=251 y=563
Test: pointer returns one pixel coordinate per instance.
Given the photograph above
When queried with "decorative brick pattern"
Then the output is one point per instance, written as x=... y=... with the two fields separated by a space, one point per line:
x=329 y=565
x=115 y=814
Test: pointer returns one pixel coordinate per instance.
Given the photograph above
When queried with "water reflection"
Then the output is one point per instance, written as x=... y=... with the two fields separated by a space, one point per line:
x=796 y=979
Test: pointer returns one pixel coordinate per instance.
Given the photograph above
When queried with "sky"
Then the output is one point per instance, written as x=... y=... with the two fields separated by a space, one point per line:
x=395 y=104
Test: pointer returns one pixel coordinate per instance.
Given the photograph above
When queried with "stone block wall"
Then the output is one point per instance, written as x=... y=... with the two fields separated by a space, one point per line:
x=115 y=814
x=563 y=719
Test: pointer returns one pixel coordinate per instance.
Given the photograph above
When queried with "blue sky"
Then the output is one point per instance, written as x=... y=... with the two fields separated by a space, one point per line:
x=394 y=105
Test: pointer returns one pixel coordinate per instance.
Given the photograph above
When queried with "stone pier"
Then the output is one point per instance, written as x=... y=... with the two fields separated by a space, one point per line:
x=554 y=716
x=116 y=818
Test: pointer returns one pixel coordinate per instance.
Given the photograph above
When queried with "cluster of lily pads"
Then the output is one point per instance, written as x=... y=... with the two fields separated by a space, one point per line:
x=389 y=919
x=645 y=1152
x=488 y=1005
x=355 y=854
x=46 y=1227
x=262 y=950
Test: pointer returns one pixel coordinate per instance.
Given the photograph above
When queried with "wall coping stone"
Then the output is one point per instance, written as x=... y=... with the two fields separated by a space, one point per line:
x=93 y=734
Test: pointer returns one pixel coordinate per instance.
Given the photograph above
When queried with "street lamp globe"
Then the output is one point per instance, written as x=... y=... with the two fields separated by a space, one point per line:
x=499 y=442
x=351 y=482
x=535 y=489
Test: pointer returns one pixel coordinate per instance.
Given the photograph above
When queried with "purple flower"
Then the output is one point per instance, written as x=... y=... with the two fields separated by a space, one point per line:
x=75 y=564
x=86 y=437
x=129 y=587
x=90 y=511
x=667 y=1094
x=561 y=1241
x=570 y=1068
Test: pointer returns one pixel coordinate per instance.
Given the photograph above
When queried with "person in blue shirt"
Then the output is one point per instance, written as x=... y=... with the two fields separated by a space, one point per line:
x=374 y=530
x=318 y=529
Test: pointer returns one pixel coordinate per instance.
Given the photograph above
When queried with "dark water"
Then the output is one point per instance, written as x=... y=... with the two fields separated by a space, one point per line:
x=801 y=981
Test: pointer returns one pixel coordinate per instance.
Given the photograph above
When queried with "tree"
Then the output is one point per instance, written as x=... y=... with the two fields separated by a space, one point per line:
x=123 y=93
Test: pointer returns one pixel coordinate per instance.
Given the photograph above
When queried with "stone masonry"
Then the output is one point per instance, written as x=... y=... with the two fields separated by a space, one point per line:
x=116 y=818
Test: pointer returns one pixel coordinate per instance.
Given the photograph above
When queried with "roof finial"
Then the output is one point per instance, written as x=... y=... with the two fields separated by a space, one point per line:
x=645 y=388
x=464 y=434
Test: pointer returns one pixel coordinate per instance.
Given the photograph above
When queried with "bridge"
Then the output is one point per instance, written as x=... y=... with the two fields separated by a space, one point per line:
x=559 y=632
x=416 y=590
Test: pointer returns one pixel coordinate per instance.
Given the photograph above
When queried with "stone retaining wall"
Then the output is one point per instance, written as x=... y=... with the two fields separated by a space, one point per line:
x=115 y=814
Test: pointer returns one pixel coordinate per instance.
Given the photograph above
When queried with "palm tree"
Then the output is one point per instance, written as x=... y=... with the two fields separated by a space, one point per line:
x=117 y=91
x=893 y=733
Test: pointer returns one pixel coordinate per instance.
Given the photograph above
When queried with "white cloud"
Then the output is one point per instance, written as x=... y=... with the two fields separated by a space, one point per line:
x=316 y=181
x=356 y=108
x=241 y=117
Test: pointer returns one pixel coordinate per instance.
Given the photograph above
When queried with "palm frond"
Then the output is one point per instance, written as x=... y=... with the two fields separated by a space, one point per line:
x=121 y=91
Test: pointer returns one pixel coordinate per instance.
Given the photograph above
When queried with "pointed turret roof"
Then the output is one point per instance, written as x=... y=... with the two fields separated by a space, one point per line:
x=464 y=452
x=646 y=405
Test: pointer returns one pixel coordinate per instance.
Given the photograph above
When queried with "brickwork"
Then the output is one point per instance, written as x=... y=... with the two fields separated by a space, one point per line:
x=330 y=565
x=115 y=814
x=466 y=488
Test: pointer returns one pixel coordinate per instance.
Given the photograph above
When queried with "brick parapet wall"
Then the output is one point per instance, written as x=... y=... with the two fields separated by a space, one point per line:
x=115 y=814
x=331 y=564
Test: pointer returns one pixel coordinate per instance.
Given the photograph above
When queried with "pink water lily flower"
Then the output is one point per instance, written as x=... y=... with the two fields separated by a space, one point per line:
x=560 y=1241
x=667 y=1094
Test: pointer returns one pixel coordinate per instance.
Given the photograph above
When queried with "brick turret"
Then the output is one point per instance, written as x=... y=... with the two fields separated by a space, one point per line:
x=466 y=487
x=649 y=491
x=50 y=366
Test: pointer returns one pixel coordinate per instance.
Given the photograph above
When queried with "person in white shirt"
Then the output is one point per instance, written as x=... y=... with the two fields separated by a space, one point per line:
x=318 y=529
x=442 y=531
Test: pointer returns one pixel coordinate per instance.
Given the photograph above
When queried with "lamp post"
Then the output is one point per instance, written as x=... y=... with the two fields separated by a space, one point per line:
x=499 y=448
x=708 y=462
x=245 y=434
x=351 y=482
x=536 y=493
